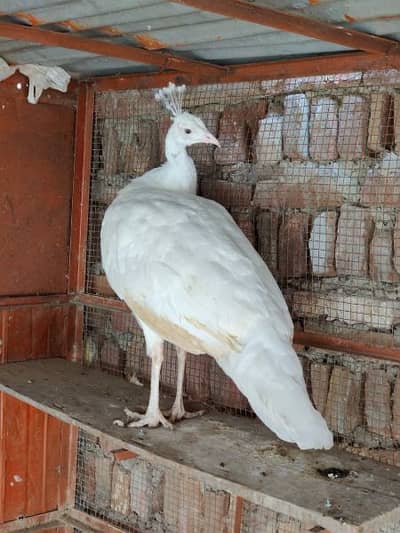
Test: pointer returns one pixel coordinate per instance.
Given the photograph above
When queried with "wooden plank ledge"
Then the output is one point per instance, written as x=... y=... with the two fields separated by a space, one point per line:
x=229 y=453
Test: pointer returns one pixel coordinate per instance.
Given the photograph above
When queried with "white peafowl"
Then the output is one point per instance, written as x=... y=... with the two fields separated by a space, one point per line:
x=192 y=278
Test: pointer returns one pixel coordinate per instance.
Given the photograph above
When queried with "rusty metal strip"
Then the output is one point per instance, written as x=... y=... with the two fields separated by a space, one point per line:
x=162 y=60
x=266 y=70
x=339 y=344
x=293 y=23
x=81 y=186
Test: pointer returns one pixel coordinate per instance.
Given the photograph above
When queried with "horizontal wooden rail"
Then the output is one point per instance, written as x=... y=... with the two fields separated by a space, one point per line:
x=293 y=23
x=264 y=70
x=162 y=60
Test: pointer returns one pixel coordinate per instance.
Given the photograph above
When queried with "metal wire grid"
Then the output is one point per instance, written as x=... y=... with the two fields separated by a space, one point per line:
x=114 y=342
x=137 y=495
x=311 y=175
x=140 y=496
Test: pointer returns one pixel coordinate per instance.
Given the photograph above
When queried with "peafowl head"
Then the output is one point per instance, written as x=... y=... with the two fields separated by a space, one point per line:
x=186 y=129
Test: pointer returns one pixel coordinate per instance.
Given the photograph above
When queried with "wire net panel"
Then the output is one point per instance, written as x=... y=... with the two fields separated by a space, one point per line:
x=115 y=341
x=137 y=495
x=310 y=170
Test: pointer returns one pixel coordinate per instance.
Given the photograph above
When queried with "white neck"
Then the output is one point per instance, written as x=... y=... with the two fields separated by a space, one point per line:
x=178 y=173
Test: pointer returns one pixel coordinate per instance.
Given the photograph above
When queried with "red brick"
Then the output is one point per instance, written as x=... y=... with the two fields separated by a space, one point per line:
x=139 y=150
x=311 y=192
x=120 y=490
x=254 y=112
x=295 y=126
x=267 y=239
x=259 y=519
x=142 y=490
x=381 y=257
x=321 y=244
x=233 y=136
x=293 y=237
x=323 y=129
x=163 y=127
x=381 y=190
x=216 y=510
x=268 y=142
x=110 y=146
x=353 y=127
x=110 y=357
x=197 y=379
x=353 y=236
x=226 y=193
x=223 y=391
x=104 y=467
x=101 y=286
x=377 y=403
x=342 y=412
x=183 y=502
x=245 y=219
x=379 y=131
x=396 y=410
x=320 y=374
x=121 y=322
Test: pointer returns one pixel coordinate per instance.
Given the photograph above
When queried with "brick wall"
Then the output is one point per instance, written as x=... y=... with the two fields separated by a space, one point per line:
x=139 y=495
x=310 y=170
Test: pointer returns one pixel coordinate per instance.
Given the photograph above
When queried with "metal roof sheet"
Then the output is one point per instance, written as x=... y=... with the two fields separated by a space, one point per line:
x=183 y=30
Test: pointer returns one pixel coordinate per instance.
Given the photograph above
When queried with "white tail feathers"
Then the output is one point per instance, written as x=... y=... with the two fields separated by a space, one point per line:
x=274 y=385
x=172 y=98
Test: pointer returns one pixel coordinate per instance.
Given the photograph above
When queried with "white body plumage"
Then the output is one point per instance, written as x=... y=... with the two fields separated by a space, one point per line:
x=192 y=278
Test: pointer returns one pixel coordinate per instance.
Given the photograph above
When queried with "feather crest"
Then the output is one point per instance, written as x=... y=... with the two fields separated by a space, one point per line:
x=171 y=97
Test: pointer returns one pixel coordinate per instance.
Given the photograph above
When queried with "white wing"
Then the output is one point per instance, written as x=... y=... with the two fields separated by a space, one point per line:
x=181 y=260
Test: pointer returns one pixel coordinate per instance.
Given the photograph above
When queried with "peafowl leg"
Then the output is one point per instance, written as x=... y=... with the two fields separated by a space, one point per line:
x=178 y=410
x=153 y=415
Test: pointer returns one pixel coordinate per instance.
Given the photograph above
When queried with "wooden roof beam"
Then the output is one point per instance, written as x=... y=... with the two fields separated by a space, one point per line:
x=266 y=70
x=162 y=60
x=293 y=23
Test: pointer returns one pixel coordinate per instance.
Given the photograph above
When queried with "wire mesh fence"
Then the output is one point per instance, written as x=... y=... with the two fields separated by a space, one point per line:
x=309 y=170
x=136 y=495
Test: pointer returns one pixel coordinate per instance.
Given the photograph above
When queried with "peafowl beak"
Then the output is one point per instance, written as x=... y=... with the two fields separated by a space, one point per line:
x=210 y=139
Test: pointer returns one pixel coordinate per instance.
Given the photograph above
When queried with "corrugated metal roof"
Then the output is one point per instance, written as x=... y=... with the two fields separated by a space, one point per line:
x=182 y=30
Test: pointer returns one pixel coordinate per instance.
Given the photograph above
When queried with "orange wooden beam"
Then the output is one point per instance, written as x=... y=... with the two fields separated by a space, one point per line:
x=267 y=70
x=162 y=60
x=80 y=193
x=340 y=344
x=293 y=23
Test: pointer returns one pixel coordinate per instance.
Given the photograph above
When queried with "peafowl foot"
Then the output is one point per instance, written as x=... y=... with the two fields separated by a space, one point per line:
x=150 y=419
x=178 y=412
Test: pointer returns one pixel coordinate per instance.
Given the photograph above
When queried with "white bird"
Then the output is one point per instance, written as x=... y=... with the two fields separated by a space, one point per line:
x=192 y=278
